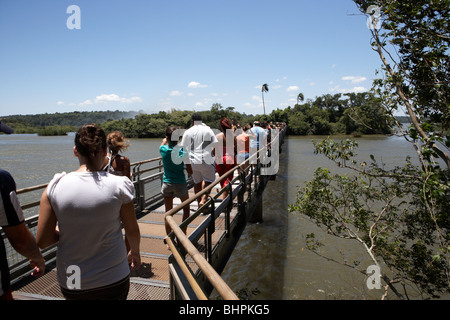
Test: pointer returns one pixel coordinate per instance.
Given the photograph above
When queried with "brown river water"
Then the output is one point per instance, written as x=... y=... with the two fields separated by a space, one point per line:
x=271 y=259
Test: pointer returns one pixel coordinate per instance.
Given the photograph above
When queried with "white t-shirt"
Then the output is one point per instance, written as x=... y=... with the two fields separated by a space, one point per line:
x=257 y=141
x=87 y=207
x=199 y=140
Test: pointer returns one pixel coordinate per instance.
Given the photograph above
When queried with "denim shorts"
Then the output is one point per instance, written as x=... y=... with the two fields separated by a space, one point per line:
x=241 y=157
x=179 y=190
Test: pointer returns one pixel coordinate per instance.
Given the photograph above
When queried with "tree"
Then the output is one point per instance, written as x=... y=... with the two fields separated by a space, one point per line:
x=400 y=215
x=300 y=98
x=264 y=88
x=418 y=77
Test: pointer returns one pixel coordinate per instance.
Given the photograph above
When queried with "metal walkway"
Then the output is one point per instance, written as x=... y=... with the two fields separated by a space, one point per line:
x=150 y=282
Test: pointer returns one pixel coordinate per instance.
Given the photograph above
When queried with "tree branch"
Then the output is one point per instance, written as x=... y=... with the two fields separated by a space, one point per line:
x=444 y=156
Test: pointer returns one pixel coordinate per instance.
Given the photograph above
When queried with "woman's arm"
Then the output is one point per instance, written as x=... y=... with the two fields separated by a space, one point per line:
x=132 y=233
x=47 y=233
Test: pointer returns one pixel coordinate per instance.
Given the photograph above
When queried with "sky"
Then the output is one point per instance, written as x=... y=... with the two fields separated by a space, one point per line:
x=159 y=55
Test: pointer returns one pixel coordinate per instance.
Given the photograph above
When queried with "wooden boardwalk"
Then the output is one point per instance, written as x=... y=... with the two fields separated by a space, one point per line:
x=150 y=282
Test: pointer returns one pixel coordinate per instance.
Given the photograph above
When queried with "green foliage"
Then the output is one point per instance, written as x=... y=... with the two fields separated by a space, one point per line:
x=56 y=130
x=327 y=114
x=413 y=44
x=335 y=114
x=154 y=125
x=61 y=123
x=76 y=118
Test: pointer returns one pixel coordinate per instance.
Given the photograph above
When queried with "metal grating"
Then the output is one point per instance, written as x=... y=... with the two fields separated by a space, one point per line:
x=139 y=291
x=151 y=283
x=46 y=287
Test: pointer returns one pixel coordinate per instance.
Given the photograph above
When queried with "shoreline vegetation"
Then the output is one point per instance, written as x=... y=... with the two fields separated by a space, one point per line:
x=353 y=114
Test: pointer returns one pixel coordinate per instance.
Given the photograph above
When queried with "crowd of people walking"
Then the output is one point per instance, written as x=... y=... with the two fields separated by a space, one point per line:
x=84 y=211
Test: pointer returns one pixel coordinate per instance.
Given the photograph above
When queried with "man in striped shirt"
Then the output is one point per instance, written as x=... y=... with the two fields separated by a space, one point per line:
x=13 y=223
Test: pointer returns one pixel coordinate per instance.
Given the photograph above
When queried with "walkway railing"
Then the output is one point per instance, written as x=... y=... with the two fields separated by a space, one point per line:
x=244 y=193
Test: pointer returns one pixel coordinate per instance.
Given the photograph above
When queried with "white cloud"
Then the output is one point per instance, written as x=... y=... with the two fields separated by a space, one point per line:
x=352 y=90
x=175 y=93
x=134 y=99
x=105 y=98
x=195 y=85
x=60 y=103
x=86 y=103
x=277 y=87
x=354 y=79
x=292 y=88
x=358 y=89
x=335 y=88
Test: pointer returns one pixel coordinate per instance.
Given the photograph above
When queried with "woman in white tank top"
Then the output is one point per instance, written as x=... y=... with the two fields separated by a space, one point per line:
x=83 y=212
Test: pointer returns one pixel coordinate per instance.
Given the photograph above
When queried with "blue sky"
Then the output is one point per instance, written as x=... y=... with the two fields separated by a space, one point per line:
x=155 y=55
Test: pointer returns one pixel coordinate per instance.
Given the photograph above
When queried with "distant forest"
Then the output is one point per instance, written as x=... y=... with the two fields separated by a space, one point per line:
x=355 y=113
x=61 y=123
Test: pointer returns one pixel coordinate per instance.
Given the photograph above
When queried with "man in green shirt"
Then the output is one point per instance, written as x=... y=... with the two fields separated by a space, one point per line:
x=174 y=179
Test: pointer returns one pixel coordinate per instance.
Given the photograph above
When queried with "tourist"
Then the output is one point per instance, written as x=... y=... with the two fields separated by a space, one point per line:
x=258 y=139
x=199 y=141
x=268 y=134
x=235 y=125
x=83 y=211
x=114 y=162
x=225 y=154
x=174 y=178
x=13 y=224
x=243 y=145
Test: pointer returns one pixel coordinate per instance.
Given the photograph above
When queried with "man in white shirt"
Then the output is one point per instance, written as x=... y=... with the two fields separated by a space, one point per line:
x=258 y=140
x=199 y=140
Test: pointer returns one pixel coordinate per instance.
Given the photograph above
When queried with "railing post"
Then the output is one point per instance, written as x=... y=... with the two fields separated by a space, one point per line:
x=228 y=211
x=140 y=193
x=210 y=230
x=242 y=192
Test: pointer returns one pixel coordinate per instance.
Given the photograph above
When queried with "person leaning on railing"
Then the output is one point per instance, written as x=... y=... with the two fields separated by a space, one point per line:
x=88 y=206
x=13 y=223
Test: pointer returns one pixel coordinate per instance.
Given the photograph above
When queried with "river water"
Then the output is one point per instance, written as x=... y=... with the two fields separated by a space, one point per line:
x=270 y=259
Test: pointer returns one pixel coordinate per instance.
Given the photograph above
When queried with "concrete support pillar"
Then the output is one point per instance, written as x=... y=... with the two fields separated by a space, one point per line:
x=257 y=216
